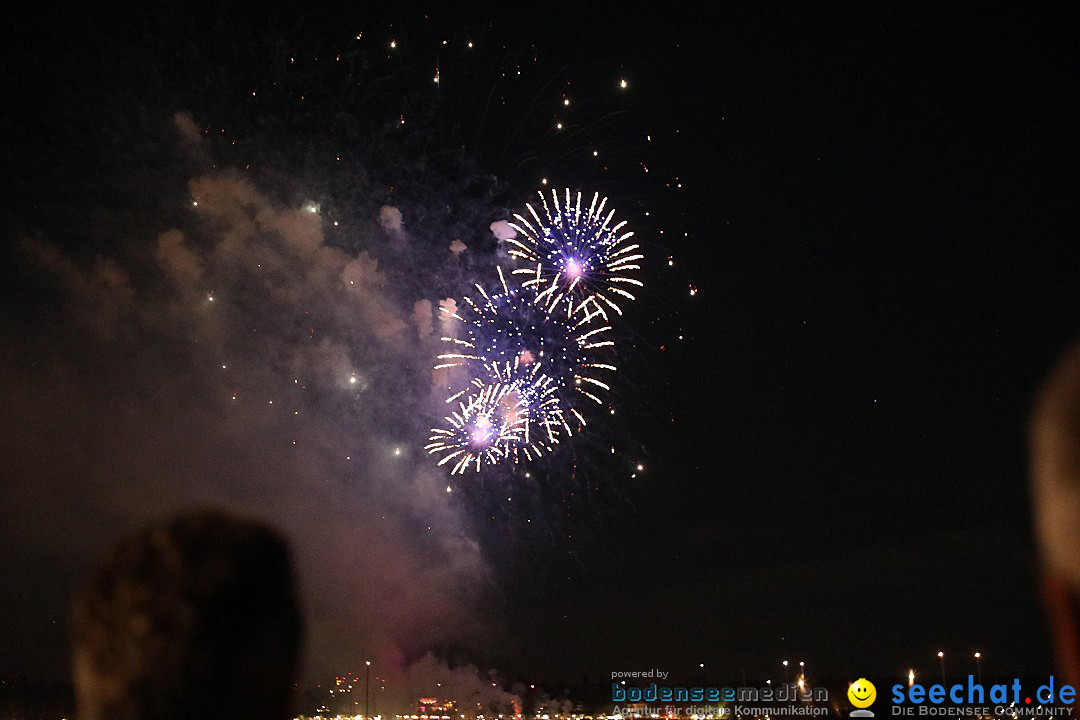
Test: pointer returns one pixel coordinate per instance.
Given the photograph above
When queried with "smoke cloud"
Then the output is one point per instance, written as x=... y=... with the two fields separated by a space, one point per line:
x=237 y=358
x=502 y=231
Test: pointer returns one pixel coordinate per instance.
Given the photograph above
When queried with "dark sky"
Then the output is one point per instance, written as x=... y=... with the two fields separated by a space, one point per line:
x=877 y=211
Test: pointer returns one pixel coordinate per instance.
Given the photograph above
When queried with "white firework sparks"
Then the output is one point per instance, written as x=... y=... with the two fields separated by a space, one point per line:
x=516 y=329
x=576 y=258
x=493 y=423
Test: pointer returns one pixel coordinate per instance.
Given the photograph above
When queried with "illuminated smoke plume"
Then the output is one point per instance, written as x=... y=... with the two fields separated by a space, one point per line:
x=237 y=357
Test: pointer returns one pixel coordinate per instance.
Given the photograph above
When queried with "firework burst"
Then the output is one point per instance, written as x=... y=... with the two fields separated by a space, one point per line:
x=510 y=331
x=575 y=257
x=531 y=354
x=539 y=397
x=493 y=423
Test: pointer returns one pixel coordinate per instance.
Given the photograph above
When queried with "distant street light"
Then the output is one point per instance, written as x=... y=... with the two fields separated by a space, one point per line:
x=978 y=666
x=367 y=689
x=787 y=678
x=941 y=657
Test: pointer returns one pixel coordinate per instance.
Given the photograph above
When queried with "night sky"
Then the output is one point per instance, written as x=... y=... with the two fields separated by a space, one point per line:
x=871 y=224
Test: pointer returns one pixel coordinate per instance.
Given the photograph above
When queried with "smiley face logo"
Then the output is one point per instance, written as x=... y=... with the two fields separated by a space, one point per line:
x=862 y=693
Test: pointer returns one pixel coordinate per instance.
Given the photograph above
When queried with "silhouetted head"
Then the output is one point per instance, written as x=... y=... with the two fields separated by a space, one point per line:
x=1055 y=489
x=195 y=617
